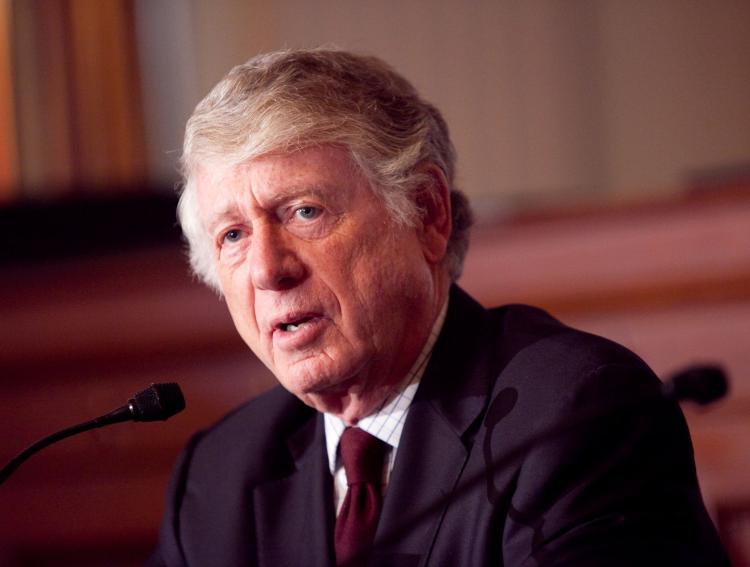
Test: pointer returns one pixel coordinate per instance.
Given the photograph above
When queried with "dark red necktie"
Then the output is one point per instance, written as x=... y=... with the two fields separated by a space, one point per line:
x=362 y=456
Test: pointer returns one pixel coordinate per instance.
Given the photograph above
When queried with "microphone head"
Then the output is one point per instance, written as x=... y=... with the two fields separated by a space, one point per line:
x=699 y=384
x=157 y=402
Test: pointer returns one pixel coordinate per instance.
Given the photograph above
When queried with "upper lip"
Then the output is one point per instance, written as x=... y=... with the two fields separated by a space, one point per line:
x=291 y=318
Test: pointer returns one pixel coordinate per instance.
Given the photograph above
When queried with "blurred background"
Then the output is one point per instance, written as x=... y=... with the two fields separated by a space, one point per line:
x=605 y=146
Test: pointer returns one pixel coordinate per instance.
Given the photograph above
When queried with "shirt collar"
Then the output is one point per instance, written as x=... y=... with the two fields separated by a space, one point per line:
x=387 y=422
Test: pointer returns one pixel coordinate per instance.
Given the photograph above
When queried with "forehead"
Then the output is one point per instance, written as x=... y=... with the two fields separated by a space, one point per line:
x=278 y=174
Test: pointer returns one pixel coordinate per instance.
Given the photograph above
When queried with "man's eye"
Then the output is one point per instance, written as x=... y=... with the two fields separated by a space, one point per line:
x=308 y=221
x=232 y=236
x=307 y=213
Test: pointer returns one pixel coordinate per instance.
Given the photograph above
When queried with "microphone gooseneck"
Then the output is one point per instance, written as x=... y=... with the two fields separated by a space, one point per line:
x=158 y=402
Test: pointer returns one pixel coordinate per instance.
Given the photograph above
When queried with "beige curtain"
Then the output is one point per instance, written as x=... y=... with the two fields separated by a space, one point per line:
x=77 y=97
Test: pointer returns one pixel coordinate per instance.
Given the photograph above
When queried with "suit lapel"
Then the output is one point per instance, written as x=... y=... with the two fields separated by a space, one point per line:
x=437 y=437
x=289 y=509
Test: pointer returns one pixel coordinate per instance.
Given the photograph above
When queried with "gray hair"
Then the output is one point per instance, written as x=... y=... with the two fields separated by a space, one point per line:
x=289 y=100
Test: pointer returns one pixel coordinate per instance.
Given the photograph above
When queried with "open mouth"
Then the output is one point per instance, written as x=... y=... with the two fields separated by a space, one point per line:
x=296 y=324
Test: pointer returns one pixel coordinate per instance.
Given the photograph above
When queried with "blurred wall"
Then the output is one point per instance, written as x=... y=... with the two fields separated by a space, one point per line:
x=548 y=101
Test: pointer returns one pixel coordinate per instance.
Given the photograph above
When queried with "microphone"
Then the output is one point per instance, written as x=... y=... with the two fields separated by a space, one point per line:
x=700 y=384
x=158 y=402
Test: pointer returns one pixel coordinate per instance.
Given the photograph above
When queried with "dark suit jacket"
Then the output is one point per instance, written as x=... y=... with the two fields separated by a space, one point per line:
x=528 y=443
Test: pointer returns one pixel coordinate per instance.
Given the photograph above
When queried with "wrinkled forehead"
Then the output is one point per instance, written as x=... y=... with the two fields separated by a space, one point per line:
x=212 y=172
x=325 y=161
x=326 y=171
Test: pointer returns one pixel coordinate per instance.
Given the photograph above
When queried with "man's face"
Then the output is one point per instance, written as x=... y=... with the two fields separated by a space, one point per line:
x=327 y=291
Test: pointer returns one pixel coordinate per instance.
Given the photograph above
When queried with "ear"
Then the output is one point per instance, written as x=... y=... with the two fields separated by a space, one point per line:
x=434 y=203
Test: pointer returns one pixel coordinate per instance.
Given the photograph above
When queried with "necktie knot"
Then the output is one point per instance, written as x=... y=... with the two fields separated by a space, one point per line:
x=362 y=455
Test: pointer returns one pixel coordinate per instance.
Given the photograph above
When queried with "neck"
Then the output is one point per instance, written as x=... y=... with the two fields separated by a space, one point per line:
x=360 y=397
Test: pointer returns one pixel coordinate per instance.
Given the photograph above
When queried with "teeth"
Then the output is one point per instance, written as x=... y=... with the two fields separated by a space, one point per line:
x=292 y=327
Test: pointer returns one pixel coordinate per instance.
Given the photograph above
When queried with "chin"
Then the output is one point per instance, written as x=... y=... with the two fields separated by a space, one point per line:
x=305 y=381
x=316 y=380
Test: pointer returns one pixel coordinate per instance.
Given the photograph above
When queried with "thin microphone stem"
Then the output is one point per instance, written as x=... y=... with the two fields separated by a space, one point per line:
x=156 y=403
x=117 y=416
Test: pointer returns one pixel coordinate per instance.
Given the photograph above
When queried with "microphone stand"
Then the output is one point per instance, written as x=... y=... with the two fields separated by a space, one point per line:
x=158 y=402
x=108 y=419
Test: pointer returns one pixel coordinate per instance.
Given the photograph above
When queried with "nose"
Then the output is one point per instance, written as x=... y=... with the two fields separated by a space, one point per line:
x=274 y=260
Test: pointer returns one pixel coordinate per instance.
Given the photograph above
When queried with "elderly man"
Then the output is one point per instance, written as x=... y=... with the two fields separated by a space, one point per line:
x=413 y=427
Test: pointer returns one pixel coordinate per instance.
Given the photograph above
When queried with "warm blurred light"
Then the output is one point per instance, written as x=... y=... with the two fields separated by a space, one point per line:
x=8 y=163
x=78 y=98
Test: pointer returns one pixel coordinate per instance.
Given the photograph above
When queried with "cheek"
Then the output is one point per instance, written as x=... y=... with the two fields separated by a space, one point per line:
x=384 y=275
x=240 y=303
x=232 y=257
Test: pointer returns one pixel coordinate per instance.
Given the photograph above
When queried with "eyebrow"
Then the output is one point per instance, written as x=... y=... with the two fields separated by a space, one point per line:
x=296 y=191
x=230 y=211
x=331 y=197
x=221 y=217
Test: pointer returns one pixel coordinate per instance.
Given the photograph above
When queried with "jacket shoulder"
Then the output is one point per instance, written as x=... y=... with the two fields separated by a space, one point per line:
x=532 y=332
x=250 y=440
